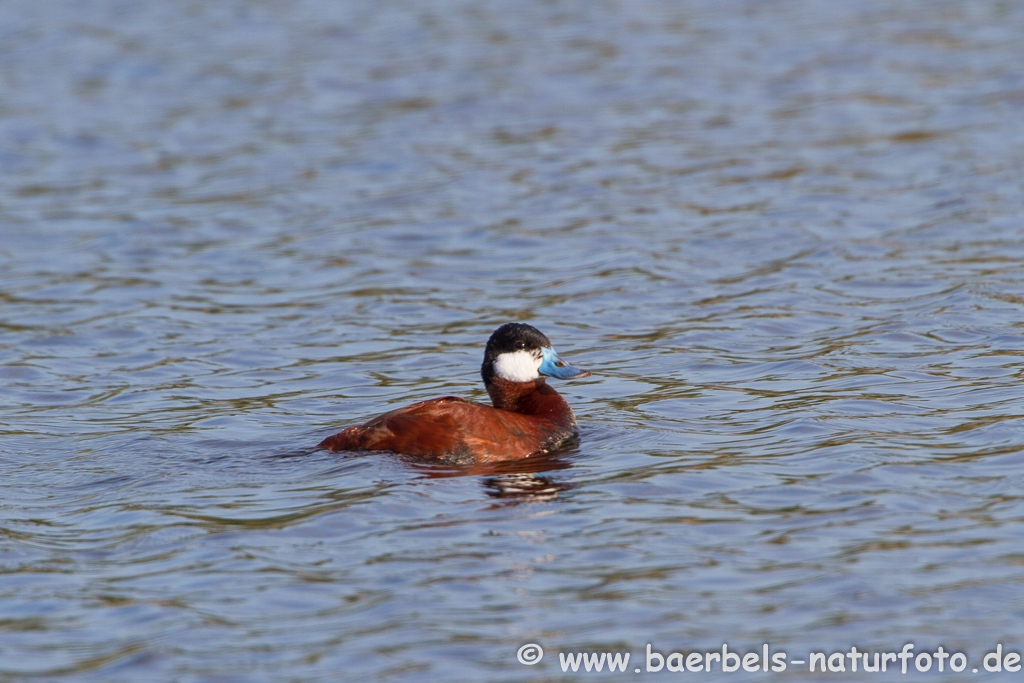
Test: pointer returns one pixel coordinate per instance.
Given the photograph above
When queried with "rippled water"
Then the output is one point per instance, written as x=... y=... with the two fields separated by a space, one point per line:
x=784 y=235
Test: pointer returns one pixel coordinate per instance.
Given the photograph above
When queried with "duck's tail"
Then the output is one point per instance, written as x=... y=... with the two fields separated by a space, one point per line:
x=349 y=439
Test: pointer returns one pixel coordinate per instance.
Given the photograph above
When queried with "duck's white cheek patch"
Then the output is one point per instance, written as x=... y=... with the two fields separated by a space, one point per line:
x=517 y=366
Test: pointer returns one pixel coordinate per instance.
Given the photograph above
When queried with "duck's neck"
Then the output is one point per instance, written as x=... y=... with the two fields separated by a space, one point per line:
x=529 y=398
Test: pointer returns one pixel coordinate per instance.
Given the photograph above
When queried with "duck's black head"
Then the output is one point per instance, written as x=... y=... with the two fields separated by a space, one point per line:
x=518 y=352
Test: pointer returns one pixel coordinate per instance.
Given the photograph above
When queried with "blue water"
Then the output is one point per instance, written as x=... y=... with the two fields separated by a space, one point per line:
x=785 y=237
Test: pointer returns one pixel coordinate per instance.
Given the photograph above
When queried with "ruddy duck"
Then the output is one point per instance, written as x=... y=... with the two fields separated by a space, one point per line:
x=528 y=416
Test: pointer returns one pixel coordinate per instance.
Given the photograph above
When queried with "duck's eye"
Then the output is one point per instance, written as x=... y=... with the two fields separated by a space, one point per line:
x=520 y=345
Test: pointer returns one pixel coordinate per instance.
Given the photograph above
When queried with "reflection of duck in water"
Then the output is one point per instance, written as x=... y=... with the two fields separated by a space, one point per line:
x=516 y=481
x=528 y=416
x=524 y=486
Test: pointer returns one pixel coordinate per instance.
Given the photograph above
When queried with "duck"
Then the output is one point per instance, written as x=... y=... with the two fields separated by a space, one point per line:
x=527 y=416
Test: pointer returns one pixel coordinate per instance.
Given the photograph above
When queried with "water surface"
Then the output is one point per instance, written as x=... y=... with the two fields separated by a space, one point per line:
x=784 y=235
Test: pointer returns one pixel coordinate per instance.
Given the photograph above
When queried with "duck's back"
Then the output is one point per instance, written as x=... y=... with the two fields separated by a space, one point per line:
x=454 y=429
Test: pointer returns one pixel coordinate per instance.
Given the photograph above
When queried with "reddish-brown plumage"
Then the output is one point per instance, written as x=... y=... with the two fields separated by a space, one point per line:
x=527 y=417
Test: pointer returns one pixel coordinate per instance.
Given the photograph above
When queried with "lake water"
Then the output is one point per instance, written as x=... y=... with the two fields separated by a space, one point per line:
x=785 y=236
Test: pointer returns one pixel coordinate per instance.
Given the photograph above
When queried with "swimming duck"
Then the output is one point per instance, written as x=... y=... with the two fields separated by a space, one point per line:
x=527 y=417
